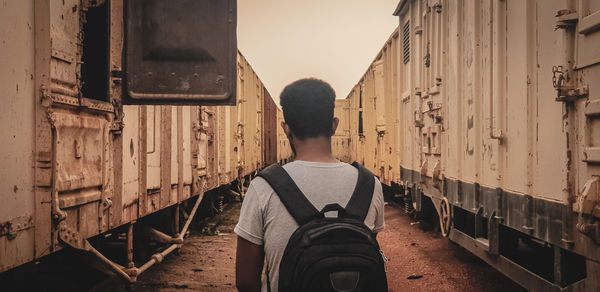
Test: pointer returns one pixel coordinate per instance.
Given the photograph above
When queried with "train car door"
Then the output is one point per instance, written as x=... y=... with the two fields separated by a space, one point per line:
x=579 y=89
x=77 y=121
x=431 y=95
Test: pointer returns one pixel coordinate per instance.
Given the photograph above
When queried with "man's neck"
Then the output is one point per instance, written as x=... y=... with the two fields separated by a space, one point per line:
x=317 y=149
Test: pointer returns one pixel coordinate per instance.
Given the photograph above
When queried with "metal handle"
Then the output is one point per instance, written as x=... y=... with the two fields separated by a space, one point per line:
x=498 y=70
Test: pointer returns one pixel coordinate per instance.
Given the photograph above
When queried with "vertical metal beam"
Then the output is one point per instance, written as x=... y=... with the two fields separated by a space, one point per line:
x=180 y=162
x=479 y=223
x=116 y=47
x=130 y=263
x=43 y=140
x=494 y=234
x=143 y=162
x=165 y=156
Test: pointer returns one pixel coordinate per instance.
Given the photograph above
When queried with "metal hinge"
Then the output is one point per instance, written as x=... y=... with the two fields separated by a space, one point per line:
x=564 y=92
x=117 y=124
x=566 y=19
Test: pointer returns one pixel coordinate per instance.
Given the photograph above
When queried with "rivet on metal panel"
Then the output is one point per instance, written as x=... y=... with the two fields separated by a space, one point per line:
x=10 y=229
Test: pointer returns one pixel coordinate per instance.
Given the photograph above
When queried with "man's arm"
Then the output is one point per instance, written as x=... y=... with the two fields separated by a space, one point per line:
x=248 y=265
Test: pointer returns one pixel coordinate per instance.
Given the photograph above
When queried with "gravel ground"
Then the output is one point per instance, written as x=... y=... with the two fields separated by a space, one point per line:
x=442 y=265
x=420 y=260
x=207 y=262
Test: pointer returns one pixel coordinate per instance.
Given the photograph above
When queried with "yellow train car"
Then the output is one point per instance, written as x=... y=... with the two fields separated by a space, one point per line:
x=369 y=117
x=79 y=162
x=485 y=113
x=284 y=150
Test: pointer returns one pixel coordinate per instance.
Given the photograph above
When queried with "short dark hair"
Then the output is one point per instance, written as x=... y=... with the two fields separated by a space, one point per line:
x=307 y=106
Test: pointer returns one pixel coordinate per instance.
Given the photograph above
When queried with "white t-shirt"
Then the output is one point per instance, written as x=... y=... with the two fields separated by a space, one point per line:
x=265 y=221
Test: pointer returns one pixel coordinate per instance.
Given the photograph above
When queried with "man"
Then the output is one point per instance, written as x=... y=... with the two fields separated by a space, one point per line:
x=265 y=226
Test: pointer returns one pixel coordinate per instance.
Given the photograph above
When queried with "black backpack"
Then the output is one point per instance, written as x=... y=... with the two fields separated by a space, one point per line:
x=329 y=254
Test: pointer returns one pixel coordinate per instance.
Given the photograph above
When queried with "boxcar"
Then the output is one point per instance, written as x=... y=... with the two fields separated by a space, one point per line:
x=77 y=162
x=488 y=111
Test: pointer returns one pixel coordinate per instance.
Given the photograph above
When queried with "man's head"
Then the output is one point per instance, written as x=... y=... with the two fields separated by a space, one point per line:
x=307 y=106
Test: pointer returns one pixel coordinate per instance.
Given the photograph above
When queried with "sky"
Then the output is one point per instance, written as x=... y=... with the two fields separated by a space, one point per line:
x=333 y=40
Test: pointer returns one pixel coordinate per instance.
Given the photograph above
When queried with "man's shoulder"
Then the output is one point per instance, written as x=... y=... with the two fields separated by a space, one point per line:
x=260 y=185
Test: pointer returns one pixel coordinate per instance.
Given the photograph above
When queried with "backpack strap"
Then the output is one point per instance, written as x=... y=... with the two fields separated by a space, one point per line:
x=360 y=202
x=290 y=195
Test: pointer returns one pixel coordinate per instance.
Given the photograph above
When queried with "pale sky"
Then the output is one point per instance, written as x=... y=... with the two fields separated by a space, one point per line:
x=334 y=40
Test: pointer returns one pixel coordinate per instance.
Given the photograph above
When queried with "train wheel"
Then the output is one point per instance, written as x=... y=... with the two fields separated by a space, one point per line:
x=445 y=217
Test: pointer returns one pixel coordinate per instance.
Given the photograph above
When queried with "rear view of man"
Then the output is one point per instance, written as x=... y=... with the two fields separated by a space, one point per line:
x=265 y=225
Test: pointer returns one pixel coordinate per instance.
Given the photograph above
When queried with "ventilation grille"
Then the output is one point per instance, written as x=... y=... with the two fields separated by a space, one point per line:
x=406 y=42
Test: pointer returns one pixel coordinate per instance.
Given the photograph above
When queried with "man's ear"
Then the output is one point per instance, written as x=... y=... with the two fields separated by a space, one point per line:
x=286 y=128
x=334 y=125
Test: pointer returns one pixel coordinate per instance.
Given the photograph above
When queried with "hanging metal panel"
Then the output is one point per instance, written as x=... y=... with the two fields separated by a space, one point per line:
x=180 y=52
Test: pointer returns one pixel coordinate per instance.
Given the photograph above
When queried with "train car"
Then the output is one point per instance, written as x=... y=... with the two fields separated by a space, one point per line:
x=494 y=109
x=80 y=165
x=369 y=117
x=284 y=150
x=240 y=140
x=340 y=141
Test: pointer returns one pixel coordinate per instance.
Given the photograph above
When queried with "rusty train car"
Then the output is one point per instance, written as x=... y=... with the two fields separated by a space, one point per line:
x=486 y=113
x=80 y=163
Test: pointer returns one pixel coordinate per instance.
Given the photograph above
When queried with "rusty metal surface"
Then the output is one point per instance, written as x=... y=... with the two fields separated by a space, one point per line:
x=17 y=154
x=91 y=165
x=269 y=130
x=284 y=151
x=79 y=160
x=165 y=65
x=507 y=105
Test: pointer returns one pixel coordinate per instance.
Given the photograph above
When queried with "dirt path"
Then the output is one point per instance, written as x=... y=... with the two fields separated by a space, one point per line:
x=443 y=265
x=207 y=263
x=204 y=263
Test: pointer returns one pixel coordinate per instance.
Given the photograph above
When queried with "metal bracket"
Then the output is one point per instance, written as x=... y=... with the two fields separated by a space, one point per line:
x=494 y=234
x=11 y=228
x=58 y=215
x=590 y=229
x=72 y=238
x=117 y=124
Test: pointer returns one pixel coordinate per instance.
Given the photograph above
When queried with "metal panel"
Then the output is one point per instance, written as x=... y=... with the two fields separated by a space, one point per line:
x=186 y=135
x=164 y=65
x=17 y=132
x=269 y=126
x=175 y=116
x=588 y=35
x=153 y=146
x=130 y=155
x=79 y=153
